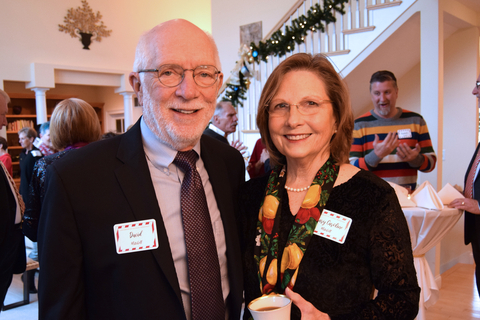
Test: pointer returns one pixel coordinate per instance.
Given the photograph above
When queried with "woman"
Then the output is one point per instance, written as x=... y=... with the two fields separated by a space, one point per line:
x=5 y=156
x=361 y=244
x=74 y=124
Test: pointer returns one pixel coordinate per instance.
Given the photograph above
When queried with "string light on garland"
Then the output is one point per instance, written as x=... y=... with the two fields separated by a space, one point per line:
x=236 y=93
x=280 y=43
x=283 y=42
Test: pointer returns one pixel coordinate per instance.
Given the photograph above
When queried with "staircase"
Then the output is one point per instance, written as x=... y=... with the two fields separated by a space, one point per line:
x=342 y=42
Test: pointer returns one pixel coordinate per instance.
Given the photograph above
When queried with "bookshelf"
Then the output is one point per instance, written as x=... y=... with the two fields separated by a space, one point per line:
x=22 y=113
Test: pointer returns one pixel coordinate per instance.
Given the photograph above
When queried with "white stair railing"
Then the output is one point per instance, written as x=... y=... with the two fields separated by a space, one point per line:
x=357 y=18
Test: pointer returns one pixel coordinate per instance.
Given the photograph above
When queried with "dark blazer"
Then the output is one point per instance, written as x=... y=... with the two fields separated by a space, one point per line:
x=209 y=132
x=12 y=243
x=105 y=183
x=472 y=221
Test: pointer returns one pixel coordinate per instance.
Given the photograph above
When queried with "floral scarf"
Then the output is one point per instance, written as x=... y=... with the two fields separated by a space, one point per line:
x=266 y=250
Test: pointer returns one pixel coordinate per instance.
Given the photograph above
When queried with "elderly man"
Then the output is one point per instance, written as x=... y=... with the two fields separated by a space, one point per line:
x=471 y=202
x=12 y=243
x=391 y=142
x=224 y=122
x=142 y=225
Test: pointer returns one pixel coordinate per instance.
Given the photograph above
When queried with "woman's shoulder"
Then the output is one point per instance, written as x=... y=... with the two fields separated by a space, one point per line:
x=351 y=175
x=254 y=185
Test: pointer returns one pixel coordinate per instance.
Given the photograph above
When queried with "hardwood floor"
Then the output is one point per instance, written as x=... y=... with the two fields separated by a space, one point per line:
x=458 y=296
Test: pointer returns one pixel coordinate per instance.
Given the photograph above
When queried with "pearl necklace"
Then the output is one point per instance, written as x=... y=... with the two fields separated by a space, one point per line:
x=296 y=190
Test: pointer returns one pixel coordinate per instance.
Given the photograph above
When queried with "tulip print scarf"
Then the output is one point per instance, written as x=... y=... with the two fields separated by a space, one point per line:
x=266 y=250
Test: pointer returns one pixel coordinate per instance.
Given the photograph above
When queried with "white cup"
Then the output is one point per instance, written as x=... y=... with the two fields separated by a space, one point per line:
x=271 y=307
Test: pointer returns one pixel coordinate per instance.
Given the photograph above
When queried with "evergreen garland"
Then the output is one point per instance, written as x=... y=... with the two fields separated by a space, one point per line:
x=283 y=42
x=236 y=92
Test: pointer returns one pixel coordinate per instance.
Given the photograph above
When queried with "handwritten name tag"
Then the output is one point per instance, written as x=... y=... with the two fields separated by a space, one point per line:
x=135 y=236
x=404 y=133
x=333 y=226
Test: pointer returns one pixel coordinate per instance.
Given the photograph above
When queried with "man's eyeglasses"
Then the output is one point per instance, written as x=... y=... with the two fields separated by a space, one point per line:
x=477 y=84
x=306 y=108
x=171 y=75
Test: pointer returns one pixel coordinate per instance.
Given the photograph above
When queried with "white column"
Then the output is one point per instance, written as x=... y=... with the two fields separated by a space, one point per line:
x=431 y=82
x=41 y=104
x=431 y=99
x=128 y=106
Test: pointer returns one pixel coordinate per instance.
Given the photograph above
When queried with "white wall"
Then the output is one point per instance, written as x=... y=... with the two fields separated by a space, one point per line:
x=409 y=90
x=229 y=15
x=30 y=32
x=460 y=106
x=460 y=129
x=30 y=35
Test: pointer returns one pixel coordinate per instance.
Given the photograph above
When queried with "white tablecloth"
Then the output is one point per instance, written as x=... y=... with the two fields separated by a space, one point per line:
x=427 y=228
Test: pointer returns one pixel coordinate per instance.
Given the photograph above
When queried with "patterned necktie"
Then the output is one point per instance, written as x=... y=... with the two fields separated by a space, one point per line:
x=203 y=266
x=471 y=177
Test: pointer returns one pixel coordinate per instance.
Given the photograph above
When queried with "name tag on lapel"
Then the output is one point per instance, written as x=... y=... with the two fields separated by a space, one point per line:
x=333 y=226
x=135 y=236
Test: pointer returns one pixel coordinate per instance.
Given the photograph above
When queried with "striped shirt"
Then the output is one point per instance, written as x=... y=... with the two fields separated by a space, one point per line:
x=392 y=168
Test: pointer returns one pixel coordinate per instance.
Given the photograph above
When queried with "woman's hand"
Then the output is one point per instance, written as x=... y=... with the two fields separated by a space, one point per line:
x=470 y=205
x=309 y=312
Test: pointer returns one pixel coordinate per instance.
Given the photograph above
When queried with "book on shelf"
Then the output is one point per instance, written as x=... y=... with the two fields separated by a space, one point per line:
x=19 y=124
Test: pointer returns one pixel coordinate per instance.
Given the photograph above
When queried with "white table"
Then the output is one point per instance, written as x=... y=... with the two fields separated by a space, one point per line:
x=427 y=228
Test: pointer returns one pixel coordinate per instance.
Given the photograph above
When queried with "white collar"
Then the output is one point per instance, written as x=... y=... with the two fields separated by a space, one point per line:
x=159 y=153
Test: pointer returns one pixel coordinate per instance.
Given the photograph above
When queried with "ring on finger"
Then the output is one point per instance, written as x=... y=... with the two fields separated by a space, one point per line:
x=463 y=203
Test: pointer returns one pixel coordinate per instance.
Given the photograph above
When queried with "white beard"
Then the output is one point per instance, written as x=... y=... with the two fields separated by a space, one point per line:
x=384 y=112
x=166 y=131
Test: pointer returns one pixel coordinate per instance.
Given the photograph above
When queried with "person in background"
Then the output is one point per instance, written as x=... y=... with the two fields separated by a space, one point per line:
x=471 y=202
x=28 y=157
x=44 y=144
x=361 y=240
x=223 y=123
x=109 y=134
x=12 y=242
x=164 y=172
x=74 y=124
x=391 y=142
x=256 y=165
x=5 y=156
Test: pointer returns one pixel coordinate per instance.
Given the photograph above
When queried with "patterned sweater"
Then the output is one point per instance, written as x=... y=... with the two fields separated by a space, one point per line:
x=392 y=168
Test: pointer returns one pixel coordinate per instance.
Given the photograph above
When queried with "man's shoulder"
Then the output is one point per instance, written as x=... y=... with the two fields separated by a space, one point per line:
x=95 y=155
x=217 y=147
x=366 y=117
x=409 y=114
x=209 y=132
x=214 y=148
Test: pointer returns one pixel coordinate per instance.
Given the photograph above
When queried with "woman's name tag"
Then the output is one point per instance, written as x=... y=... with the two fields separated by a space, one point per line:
x=333 y=226
x=135 y=236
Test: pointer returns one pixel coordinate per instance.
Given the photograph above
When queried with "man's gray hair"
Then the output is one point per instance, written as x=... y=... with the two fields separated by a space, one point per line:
x=220 y=107
x=146 y=51
x=5 y=95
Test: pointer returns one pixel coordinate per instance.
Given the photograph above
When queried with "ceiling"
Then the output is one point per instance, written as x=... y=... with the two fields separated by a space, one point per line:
x=472 y=4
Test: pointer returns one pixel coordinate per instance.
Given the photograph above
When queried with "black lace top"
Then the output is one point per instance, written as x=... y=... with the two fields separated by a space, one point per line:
x=33 y=205
x=338 y=279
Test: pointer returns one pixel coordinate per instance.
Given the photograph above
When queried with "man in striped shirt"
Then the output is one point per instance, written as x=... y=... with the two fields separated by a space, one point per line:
x=391 y=142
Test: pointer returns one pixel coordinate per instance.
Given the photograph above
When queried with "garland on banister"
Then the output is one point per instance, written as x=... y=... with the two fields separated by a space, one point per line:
x=279 y=44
